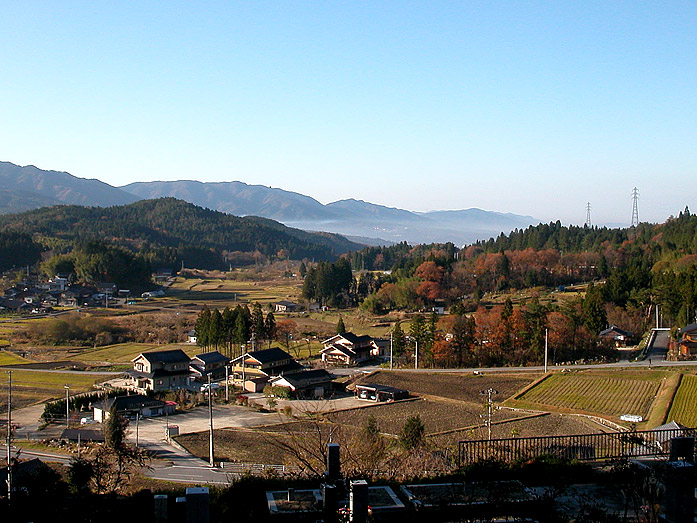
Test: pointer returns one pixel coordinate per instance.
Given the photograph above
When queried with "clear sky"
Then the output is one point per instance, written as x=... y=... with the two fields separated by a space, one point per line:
x=528 y=107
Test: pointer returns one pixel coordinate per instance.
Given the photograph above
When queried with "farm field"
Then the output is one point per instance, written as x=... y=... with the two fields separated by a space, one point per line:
x=125 y=352
x=221 y=292
x=607 y=393
x=30 y=387
x=684 y=409
x=8 y=358
x=455 y=385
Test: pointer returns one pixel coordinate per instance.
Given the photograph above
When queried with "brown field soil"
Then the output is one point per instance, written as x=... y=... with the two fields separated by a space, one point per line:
x=455 y=385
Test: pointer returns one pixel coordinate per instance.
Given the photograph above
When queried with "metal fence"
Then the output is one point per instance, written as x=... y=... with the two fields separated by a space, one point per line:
x=582 y=447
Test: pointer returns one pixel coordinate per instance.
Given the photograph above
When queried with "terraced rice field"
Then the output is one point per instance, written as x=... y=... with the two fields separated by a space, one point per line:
x=602 y=394
x=683 y=409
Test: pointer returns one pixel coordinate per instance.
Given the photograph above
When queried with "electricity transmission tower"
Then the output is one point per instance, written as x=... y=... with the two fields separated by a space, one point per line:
x=588 y=214
x=635 y=207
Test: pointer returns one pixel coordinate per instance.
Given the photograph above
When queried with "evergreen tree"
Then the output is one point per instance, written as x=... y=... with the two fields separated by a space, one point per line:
x=594 y=315
x=270 y=327
x=399 y=341
x=340 y=327
x=203 y=327
x=412 y=434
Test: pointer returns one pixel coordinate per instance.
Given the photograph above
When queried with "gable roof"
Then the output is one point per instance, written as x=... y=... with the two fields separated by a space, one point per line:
x=350 y=337
x=614 y=329
x=164 y=356
x=344 y=350
x=304 y=378
x=211 y=357
x=122 y=403
x=689 y=328
x=270 y=355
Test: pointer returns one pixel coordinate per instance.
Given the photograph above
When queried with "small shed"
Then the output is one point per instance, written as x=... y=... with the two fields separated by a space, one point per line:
x=374 y=392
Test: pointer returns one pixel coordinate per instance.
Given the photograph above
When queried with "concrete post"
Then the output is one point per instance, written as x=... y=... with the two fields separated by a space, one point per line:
x=197 y=505
x=358 y=501
x=333 y=462
x=679 y=497
x=160 y=508
x=330 y=503
x=682 y=449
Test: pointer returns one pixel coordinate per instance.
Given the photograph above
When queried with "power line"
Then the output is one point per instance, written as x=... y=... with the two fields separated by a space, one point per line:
x=635 y=207
x=588 y=214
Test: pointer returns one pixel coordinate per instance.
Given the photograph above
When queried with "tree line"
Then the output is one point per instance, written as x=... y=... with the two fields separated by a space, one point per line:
x=232 y=328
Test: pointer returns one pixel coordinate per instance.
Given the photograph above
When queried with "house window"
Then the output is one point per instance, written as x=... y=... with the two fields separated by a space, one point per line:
x=159 y=382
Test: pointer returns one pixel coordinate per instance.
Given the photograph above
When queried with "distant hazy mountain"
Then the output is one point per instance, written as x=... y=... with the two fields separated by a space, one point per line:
x=25 y=188
x=236 y=198
x=349 y=217
x=29 y=187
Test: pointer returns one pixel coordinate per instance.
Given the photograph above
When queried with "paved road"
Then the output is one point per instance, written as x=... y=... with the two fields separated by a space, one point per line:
x=43 y=456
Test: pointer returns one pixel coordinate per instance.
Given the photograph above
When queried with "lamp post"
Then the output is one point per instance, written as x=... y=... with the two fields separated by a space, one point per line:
x=67 y=405
x=416 y=351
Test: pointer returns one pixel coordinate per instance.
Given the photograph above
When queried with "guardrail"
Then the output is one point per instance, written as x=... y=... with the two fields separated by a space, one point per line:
x=251 y=468
x=583 y=447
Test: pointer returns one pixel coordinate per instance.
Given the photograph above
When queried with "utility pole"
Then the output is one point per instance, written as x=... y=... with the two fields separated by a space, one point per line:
x=227 y=380
x=210 y=418
x=416 y=353
x=489 y=406
x=588 y=215
x=67 y=406
x=390 y=350
x=9 y=437
x=635 y=207
x=546 y=337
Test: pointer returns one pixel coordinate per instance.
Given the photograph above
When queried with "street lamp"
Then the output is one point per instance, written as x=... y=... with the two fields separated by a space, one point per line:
x=67 y=405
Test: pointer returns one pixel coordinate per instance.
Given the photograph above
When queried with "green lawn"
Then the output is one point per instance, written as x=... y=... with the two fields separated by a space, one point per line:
x=8 y=358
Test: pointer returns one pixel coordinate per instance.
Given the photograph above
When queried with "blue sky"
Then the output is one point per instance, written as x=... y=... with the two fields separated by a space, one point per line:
x=528 y=107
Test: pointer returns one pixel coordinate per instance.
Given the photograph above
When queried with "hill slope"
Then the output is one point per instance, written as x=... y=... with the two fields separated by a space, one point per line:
x=167 y=229
x=32 y=187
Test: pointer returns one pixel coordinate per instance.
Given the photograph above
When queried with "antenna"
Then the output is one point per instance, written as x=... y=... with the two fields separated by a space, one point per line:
x=588 y=214
x=635 y=207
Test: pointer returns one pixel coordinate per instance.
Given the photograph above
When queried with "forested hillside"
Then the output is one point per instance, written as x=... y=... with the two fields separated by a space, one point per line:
x=652 y=264
x=167 y=232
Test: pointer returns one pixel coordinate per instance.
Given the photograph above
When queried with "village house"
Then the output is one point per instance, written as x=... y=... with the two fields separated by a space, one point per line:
x=379 y=393
x=130 y=406
x=619 y=337
x=310 y=384
x=286 y=306
x=160 y=370
x=208 y=363
x=349 y=349
x=255 y=368
x=688 y=340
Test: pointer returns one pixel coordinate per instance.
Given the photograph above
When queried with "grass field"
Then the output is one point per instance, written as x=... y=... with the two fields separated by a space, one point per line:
x=125 y=352
x=30 y=387
x=7 y=358
x=608 y=394
x=683 y=408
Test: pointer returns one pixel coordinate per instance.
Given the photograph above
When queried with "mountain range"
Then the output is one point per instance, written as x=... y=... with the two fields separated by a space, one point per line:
x=24 y=188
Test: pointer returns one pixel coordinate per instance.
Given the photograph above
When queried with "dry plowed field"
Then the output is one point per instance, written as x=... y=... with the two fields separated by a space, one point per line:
x=457 y=386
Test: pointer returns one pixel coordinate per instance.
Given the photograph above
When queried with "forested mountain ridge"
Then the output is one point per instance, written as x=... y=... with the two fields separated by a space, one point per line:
x=30 y=187
x=168 y=231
